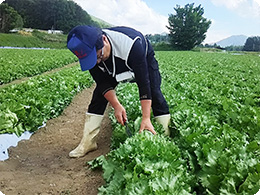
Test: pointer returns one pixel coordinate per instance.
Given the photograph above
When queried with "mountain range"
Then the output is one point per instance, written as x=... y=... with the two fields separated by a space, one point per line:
x=235 y=40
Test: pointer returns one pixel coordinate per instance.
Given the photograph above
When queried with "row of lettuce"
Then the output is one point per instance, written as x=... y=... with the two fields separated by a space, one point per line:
x=214 y=147
x=27 y=105
x=20 y=63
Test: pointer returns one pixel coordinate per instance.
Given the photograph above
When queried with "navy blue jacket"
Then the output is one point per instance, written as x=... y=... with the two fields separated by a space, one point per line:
x=130 y=53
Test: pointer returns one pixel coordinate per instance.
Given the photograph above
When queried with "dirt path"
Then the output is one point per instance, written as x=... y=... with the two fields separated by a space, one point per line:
x=41 y=165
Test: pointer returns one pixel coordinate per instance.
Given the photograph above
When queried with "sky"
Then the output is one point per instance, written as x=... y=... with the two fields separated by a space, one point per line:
x=228 y=17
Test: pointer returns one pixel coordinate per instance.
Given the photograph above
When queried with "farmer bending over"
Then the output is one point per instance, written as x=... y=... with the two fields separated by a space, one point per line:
x=114 y=55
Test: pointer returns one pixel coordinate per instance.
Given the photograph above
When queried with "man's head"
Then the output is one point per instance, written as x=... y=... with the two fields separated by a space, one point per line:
x=84 y=42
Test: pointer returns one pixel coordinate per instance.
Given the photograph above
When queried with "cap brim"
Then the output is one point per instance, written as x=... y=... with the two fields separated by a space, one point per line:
x=88 y=62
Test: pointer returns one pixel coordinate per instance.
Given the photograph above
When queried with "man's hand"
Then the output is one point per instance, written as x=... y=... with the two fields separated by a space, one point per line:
x=147 y=125
x=120 y=114
x=146 y=122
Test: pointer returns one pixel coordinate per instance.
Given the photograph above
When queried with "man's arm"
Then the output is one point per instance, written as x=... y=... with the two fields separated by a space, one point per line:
x=146 y=112
x=137 y=60
x=119 y=110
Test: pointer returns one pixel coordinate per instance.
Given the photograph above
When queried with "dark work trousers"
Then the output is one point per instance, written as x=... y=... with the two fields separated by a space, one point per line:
x=159 y=105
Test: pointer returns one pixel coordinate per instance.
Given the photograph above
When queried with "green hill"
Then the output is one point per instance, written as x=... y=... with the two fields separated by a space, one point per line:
x=100 y=22
x=39 y=38
x=33 y=39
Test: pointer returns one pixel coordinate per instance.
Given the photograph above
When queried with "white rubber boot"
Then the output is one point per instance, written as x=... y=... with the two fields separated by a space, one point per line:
x=164 y=120
x=88 y=141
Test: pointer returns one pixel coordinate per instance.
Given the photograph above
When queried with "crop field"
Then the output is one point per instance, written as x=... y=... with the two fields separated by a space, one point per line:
x=214 y=101
x=19 y=63
x=28 y=105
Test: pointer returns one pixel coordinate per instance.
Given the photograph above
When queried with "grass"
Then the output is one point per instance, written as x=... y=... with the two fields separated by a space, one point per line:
x=33 y=39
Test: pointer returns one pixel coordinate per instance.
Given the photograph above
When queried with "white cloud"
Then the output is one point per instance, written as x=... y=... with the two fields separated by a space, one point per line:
x=215 y=34
x=257 y=1
x=245 y=8
x=230 y=4
x=132 y=13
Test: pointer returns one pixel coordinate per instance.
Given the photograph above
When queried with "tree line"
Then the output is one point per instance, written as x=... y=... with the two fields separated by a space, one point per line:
x=43 y=14
x=252 y=44
x=187 y=26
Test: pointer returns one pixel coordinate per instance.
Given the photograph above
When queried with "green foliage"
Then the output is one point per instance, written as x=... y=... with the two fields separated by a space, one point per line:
x=19 y=63
x=50 y=38
x=49 y=14
x=162 y=46
x=34 y=39
x=216 y=117
x=234 y=48
x=9 y=19
x=187 y=27
x=158 y=38
x=215 y=122
x=101 y=23
x=26 y=106
x=146 y=164
x=252 y=44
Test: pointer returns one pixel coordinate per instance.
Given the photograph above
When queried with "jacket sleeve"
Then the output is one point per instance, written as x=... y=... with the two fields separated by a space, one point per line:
x=138 y=62
x=103 y=81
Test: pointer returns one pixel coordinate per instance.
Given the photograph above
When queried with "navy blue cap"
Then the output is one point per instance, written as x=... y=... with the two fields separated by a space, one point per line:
x=84 y=41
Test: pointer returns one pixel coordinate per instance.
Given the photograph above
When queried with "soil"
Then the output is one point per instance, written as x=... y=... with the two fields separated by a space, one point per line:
x=42 y=165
